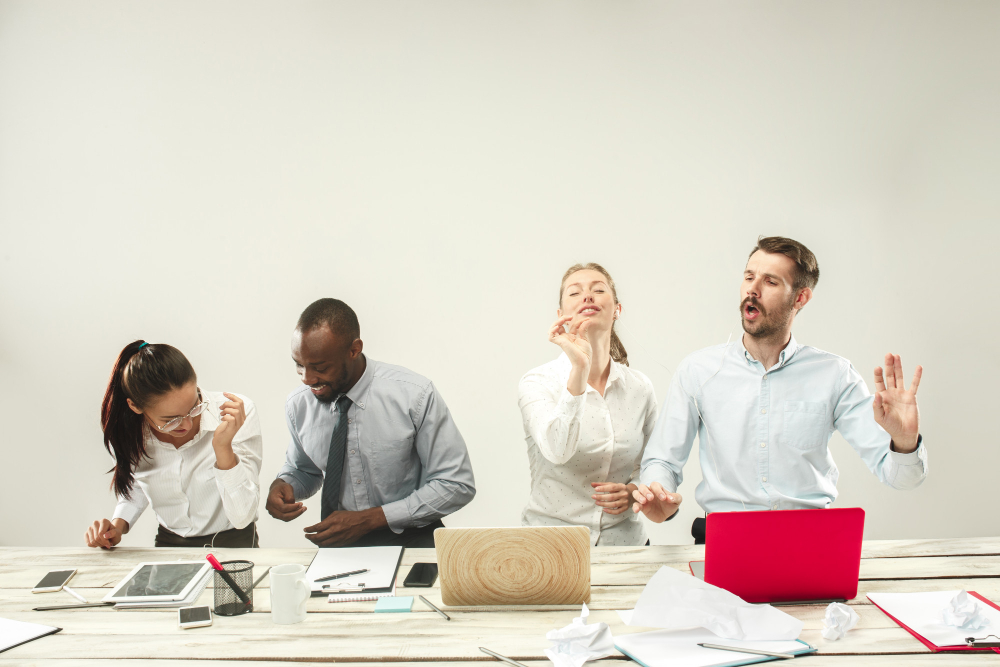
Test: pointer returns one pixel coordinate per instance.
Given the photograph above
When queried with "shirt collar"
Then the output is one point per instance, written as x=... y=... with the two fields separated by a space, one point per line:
x=359 y=392
x=615 y=374
x=783 y=358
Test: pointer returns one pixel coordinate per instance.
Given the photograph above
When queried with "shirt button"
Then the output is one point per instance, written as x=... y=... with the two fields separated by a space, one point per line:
x=763 y=411
x=763 y=479
x=763 y=444
x=352 y=451
x=361 y=405
x=358 y=481
x=350 y=421
x=774 y=506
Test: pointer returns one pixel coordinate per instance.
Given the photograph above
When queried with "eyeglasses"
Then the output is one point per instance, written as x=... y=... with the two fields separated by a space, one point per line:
x=171 y=425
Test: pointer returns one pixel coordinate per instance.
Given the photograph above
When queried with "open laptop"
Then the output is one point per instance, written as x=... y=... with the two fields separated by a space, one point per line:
x=784 y=556
x=503 y=566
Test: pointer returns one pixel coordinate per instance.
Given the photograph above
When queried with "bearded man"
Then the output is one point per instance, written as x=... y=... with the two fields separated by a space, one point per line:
x=764 y=409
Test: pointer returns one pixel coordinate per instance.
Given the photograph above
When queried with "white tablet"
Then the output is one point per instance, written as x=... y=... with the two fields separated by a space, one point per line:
x=159 y=582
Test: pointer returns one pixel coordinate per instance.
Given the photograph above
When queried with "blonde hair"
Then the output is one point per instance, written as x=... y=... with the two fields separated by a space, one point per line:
x=618 y=352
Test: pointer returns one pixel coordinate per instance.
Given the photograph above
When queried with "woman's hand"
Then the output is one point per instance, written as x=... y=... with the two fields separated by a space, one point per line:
x=614 y=498
x=231 y=415
x=576 y=345
x=106 y=534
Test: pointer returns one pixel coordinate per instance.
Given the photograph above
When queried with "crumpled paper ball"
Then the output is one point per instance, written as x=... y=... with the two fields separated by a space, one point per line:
x=578 y=642
x=964 y=612
x=838 y=620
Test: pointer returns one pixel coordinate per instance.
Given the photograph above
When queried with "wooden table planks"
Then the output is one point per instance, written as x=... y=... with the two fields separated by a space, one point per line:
x=348 y=633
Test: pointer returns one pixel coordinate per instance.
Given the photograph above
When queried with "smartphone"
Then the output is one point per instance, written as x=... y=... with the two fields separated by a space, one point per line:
x=422 y=575
x=194 y=617
x=53 y=581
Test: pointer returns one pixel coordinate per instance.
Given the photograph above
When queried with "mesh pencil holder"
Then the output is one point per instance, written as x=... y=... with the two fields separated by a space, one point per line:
x=227 y=602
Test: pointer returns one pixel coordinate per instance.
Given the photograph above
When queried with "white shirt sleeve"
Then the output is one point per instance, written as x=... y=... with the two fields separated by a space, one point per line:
x=130 y=509
x=239 y=487
x=551 y=415
x=649 y=422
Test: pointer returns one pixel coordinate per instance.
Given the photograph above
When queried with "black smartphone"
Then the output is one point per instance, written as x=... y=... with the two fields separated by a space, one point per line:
x=422 y=575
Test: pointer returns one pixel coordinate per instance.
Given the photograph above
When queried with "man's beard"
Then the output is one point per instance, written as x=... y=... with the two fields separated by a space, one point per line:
x=766 y=326
x=338 y=385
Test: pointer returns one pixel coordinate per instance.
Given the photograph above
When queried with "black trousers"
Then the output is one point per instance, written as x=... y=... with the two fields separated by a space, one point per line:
x=234 y=538
x=698 y=530
x=412 y=538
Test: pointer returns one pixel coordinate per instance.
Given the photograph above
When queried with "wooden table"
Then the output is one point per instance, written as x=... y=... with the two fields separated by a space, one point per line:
x=349 y=632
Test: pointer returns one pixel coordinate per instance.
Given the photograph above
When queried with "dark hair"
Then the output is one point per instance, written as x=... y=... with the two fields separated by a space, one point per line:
x=143 y=372
x=806 y=267
x=333 y=313
x=618 y=352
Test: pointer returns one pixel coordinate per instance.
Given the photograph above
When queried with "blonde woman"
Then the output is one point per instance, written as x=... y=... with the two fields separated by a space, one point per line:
x=587 y=417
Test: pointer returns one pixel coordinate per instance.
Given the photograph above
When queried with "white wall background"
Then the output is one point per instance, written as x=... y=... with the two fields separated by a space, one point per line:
x=197 y=173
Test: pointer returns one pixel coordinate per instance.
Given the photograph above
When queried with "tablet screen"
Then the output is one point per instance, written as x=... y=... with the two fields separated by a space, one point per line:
x=159 y=579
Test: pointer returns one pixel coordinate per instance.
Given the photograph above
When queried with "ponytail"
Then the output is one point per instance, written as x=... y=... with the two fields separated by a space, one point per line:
x=618 y=352
x=142 y=372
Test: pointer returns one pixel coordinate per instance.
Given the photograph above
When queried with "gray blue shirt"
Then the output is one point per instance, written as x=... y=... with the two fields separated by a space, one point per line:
x=404 y=452
x=763 y=435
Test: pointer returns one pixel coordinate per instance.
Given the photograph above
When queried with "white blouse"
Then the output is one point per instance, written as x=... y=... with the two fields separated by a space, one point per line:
x=190 y=496
x=576 y=440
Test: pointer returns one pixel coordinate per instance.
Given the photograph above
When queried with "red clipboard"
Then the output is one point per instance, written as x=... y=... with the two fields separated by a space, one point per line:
x=934 y=648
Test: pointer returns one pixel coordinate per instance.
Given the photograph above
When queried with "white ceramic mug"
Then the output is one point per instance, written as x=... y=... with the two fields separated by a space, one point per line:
x=289 y=592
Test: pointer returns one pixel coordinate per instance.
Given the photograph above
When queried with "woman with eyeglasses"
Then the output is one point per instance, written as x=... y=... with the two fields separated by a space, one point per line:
x=193 y=455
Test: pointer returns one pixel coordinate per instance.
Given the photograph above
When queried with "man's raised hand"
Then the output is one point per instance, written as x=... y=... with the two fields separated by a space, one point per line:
x=895 y=406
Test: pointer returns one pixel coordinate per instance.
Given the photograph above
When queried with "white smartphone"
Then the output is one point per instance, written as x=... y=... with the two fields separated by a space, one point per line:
x=194 y=617
x=53 y=581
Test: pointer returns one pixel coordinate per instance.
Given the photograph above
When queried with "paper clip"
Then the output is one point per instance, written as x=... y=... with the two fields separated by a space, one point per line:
x=982 y=642
x=335 y=588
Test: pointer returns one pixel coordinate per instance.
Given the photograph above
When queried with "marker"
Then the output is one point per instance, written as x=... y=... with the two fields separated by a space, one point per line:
x=338 y=576
x=75 y=594
x=748 y=650
x=226 y=578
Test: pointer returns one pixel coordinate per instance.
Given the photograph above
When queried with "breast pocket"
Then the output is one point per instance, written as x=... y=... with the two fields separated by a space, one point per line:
x=396 y=462
x=807 y=425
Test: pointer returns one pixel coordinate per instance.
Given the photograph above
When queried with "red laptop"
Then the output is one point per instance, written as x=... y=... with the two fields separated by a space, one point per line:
x=785 y=556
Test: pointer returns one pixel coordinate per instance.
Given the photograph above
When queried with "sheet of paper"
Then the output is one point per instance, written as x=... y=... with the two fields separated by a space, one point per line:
x=381 y=563
x=679 y=648
x=921 y=612
x=674 y=600
x=14 y=633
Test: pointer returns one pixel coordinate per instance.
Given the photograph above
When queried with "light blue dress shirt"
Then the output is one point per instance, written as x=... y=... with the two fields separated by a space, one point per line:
x=404 y=452
x=763 y=435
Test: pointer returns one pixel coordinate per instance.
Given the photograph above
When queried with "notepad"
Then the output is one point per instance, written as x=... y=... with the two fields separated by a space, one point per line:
x=381 y=564
x=393 y=605
x=15 y=633
x=679 y=648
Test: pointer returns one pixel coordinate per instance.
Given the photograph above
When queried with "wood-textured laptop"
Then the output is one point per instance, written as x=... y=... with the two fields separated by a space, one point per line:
x=513 y=566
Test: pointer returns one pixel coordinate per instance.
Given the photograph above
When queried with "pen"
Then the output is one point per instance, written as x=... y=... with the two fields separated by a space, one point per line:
x=428 y=603
x=261 y=578
x=74 y=606
x=75 y=594
x=226 y=578
x=748 y=650
x=338 y=576
x=500 y=657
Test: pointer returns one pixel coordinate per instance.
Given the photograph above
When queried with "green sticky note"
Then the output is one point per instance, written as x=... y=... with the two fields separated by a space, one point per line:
x=390 y=605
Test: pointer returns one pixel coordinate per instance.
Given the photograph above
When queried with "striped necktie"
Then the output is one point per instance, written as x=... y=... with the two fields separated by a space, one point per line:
x=330 y=500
